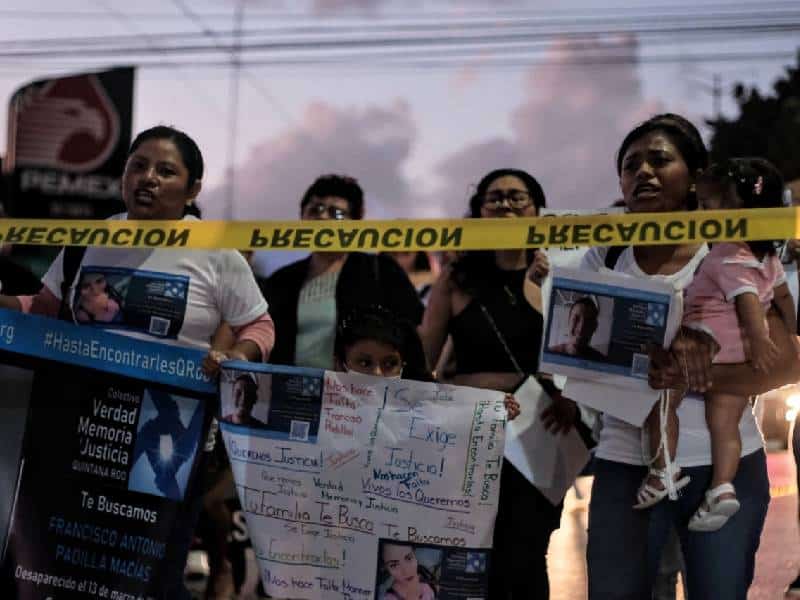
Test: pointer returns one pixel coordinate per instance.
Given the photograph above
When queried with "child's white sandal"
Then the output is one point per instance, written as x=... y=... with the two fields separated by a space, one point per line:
x=648 y=495
x=714 y=512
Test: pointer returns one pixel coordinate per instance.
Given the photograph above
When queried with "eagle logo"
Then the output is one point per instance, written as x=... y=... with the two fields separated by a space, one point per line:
x=69 y=124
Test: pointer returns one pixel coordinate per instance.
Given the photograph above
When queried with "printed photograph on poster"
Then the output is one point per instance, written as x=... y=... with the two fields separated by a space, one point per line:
x=429 y=572
x=599 y=325
x=247 y=402
x=167 y=439
x=145 y=301
x=277 y=405
x=407 y=571
x=581 y=325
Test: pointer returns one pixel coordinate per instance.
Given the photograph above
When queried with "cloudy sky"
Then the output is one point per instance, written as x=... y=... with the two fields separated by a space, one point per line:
x=420 y=127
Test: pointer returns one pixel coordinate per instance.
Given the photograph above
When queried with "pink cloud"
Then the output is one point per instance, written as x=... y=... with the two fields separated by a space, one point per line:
x=371 y=144
x=565 y=132
x=567 y=128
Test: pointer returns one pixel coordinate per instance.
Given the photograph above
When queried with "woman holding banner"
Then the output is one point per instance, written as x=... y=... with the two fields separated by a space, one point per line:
x=490 y=303
x=173 y=297
x=657 y=164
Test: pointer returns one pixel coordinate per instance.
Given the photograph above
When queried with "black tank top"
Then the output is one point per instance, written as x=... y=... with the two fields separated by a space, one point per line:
x=477 y=347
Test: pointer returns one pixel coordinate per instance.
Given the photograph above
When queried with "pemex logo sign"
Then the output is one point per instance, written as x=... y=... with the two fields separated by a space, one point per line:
x=68 y=124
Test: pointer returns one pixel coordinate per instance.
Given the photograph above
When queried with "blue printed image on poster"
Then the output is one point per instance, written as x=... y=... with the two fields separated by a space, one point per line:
x=600 y=325
x=430 y=572
x=272 y=402
x=167 y=439
x=144 y=301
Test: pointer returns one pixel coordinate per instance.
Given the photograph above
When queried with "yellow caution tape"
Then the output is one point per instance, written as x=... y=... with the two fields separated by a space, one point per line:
x=434 y=234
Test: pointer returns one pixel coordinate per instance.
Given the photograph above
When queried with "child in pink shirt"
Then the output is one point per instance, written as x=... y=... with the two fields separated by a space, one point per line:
x=730 y=295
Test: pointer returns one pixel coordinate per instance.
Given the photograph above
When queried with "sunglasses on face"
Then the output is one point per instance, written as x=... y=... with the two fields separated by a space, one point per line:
x=318 y=210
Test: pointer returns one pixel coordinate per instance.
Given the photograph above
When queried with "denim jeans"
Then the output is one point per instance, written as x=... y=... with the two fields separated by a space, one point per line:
x=671 y=564
x=625 y=545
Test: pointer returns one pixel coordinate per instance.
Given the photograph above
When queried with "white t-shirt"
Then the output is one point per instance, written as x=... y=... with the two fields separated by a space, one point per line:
x=622 y=442
x=177 y=297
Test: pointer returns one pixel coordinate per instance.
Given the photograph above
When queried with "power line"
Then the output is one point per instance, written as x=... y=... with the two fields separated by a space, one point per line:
x=131 y=26
x=532 y=29
x=449 y=62
x=386 y=14
x=260 y=90
x=433 y=43
x=486 y=48
x=233 y=96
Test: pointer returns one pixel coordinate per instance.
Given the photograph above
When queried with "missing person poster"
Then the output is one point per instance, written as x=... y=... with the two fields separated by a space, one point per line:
x=154 y=303
x=599 y=325
x=358 y=487
x=112 y=432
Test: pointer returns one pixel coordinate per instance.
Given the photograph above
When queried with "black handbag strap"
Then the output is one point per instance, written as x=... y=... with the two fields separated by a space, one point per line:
x=73 y=255
x=612 y=256
x=502 y=339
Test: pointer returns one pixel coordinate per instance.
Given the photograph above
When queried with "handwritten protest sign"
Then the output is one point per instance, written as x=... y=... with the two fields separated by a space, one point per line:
x=363 y=487
x=101 y=454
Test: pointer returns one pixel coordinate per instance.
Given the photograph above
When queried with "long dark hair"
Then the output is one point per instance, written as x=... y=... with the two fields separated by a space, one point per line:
x=474 y=271
x=426 y=576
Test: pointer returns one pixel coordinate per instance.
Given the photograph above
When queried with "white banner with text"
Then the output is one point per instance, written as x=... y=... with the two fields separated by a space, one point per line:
x=359 y=487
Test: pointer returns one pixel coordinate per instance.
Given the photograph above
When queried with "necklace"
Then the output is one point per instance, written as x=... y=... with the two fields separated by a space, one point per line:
x=512 y=299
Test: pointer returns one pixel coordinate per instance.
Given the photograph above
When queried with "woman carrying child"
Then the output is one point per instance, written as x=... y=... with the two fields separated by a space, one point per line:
x=728 y=299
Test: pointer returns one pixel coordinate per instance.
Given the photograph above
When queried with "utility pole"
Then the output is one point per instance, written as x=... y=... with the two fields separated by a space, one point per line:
x=713 y=88
x=716 y=95
x=233 y=108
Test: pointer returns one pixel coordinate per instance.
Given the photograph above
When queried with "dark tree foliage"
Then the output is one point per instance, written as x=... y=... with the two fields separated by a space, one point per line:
x=767 y=125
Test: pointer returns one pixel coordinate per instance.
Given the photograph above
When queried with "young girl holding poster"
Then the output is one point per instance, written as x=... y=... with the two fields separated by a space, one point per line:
x=729 y=296
x=373 y=341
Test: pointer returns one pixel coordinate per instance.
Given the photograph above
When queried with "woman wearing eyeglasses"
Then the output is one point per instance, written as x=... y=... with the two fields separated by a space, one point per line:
x=307 y=297
x=490 y=303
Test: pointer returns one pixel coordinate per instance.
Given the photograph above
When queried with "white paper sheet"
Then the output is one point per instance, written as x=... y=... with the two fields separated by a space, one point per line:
x=571 y=459
x=551 y=462
x=529 y=446
x=632 y=406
